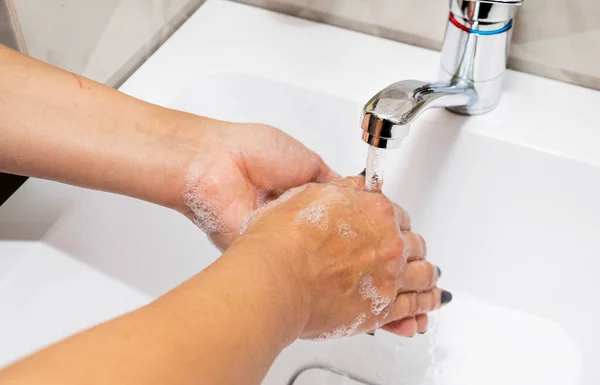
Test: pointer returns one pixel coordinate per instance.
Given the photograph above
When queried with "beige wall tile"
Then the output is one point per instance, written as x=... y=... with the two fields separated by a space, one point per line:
x=104 y=40
x=554 y=38
x=107 y=39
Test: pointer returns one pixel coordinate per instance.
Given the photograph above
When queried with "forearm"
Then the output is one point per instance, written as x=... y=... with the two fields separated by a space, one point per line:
x=224 y=326
x=61 y=126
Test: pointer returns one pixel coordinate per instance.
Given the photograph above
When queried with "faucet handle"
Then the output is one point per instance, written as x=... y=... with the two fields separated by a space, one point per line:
x=484 y=11
x=513 y=2
x=475 y=48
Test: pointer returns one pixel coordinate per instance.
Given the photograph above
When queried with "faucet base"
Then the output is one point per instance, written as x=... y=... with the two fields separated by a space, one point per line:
x=470 y=110
x=487 y=95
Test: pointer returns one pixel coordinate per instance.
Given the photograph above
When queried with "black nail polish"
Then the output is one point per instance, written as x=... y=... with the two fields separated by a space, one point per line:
x=363 y=173
x=439 y=271
x=446 y=297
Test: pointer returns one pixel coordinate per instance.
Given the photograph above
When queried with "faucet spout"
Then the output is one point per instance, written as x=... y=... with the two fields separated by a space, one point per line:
x=388 y=114
x=473 y=62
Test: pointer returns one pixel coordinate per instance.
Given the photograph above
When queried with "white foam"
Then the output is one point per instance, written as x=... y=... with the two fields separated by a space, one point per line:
x=261 y=195
x=315 y=214
x=342 y=331
x=208 y=215
x=386 y=312
x=369 y=292
x=345 y=230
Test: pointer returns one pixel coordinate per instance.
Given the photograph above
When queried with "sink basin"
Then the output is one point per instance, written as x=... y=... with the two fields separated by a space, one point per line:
x=316 y=375
x=507 y=201
x=512 y=228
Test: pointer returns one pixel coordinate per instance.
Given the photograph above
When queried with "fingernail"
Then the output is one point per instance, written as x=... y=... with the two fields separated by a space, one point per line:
x=446 y=297
x=439 y=271
x=371 y=333
x=363 y=173
x=423 y=332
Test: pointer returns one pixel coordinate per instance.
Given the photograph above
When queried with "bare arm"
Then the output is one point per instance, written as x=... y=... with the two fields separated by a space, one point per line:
x=279 y=281
x=224 y=326
x=283 y=279
x=61 y=126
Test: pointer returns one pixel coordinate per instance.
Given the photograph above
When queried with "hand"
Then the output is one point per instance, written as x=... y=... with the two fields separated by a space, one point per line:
x=96 y=137
x=350 y=256
x=239 y=168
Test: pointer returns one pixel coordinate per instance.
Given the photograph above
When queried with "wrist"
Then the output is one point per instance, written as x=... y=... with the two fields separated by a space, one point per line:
x=278 y=276
x=172 y=141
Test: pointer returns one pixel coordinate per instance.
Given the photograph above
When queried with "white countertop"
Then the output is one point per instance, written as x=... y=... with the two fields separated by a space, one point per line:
x=222 y=36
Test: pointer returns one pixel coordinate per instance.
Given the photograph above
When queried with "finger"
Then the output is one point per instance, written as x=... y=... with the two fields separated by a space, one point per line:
x=414 y=246
x=386 y=207
x=422 y=323
x=411 y=304
x=419 y=276
x=280 y=162
x=406 y=327
x=402 y=218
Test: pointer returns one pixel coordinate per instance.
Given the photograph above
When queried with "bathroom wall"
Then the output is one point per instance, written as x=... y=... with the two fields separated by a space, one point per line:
x=107 y=39
x=559 y=39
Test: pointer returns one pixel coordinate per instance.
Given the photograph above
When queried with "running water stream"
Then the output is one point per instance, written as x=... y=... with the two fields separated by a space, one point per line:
x=376 y=160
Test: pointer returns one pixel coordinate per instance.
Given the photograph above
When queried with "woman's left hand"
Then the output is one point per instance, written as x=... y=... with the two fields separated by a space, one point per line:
x=239 y=167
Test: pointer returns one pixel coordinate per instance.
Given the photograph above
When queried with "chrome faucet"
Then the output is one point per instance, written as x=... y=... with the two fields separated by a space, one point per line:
x=473 y=63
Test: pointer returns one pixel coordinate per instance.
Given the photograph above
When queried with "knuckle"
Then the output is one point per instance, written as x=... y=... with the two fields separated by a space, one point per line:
x=384 y=205
x=388 y=208
x=392 y=248
x=407 y=244
x=401 y=216
x=397 y=247
x=413 y=303
x=392 y=265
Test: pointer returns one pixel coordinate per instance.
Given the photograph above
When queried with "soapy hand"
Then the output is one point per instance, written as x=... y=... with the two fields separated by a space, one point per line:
x=241 y=167
x=351 y=257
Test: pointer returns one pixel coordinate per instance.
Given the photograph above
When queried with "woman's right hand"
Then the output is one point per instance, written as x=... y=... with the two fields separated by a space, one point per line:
x=350 y=258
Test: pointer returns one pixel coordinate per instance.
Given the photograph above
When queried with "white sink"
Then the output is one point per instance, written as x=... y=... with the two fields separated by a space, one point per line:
x=511 y=216
x=504 y=222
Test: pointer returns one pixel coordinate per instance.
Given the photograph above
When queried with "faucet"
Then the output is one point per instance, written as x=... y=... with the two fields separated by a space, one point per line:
x=473 y=62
